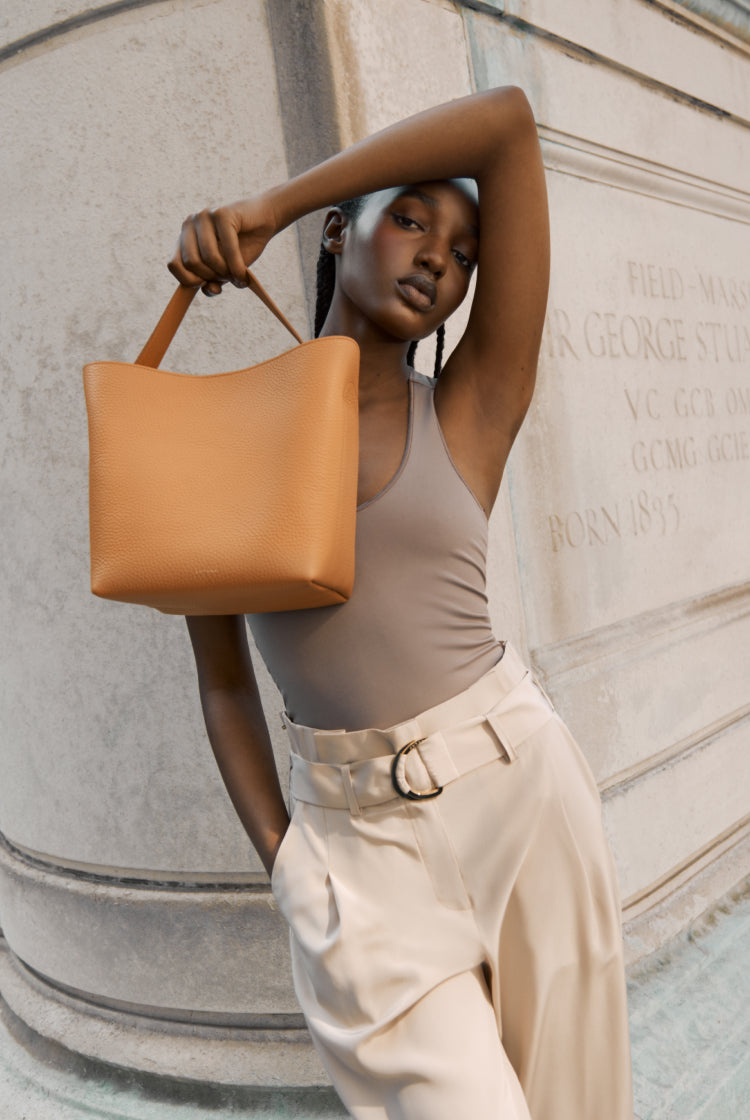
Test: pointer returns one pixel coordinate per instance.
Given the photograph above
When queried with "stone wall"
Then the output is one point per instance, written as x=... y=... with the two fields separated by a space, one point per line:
x=628 y=483
x=127 y=884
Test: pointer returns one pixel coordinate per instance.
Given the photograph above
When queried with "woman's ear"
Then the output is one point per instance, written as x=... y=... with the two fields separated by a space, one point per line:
x=334 y=230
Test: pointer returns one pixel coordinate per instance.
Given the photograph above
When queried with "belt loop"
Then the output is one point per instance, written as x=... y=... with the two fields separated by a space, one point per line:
x=496 y=725
x=351 y=797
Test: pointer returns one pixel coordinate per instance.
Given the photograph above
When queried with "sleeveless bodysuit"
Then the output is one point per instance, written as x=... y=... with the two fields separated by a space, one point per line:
x=416 y=629
x=462 y=955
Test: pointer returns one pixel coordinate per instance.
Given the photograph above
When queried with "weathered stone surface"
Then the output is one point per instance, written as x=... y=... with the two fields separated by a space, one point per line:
x=112 y=135
x=110 y=140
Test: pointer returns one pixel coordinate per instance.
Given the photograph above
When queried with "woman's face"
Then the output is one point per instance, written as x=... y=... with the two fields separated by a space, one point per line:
x=407 y=259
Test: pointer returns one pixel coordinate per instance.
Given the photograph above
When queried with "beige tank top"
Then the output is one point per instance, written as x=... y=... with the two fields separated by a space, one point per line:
x=416 y=629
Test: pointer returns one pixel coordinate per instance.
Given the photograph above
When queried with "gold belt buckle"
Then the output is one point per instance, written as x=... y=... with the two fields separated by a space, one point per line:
x=409 y=793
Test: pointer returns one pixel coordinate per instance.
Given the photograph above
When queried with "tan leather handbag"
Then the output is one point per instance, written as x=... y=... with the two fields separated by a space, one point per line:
x=227 y=493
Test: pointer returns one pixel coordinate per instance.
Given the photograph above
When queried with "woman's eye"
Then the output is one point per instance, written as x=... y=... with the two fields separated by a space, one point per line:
x=407 y=223
x=462 y=260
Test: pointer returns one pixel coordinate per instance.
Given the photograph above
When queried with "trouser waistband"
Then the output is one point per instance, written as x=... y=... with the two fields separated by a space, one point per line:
x=357 y=769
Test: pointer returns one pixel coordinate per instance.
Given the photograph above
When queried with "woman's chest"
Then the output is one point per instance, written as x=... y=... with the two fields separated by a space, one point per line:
x=386 y=435
x=383 y=448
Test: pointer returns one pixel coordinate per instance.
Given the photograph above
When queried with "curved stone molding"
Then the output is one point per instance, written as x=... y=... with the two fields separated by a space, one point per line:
x=18 y=38
x=220 y=1055
x=137 y=876
x=651 y=920
x=720 y=846
x=221 y=953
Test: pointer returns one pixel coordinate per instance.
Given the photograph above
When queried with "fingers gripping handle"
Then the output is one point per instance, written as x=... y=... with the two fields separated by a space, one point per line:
x=165 y=330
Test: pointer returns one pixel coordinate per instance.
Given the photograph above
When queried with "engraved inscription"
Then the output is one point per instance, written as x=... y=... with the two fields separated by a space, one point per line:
x=636 y=515
x=676 y=339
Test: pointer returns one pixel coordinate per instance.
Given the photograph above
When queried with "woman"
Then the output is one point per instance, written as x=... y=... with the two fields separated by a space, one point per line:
x=451 y=896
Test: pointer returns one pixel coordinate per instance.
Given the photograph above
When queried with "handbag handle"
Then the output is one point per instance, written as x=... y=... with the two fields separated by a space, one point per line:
x=165 y=330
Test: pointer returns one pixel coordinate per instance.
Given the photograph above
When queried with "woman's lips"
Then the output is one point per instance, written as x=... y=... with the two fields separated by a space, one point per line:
x=419 y=291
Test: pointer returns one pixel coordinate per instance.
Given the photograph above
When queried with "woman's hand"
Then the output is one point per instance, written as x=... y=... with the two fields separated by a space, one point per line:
x=217 y=245
x=269 y=859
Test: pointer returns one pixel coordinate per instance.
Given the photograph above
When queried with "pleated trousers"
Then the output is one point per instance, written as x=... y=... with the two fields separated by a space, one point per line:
x=461 y=955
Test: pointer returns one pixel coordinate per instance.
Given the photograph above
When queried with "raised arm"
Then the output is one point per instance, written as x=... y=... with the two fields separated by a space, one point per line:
x=490 y=137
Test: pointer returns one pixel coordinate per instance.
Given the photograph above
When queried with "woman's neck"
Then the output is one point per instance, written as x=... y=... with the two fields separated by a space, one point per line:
x=383 y=369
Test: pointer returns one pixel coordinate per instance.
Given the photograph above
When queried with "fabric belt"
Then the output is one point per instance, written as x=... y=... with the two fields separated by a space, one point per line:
x=358 y=769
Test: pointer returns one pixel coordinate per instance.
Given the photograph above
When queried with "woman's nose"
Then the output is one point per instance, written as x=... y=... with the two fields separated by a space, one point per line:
x=432 y=255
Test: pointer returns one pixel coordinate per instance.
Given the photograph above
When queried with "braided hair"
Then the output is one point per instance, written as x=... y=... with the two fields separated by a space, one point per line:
x=326 y=282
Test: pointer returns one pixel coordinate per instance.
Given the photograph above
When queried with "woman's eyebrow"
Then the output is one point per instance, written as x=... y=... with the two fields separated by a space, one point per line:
x=428 y=200
x=421 y=196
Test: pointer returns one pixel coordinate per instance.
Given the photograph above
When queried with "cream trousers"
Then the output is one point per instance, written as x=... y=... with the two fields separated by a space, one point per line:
x=460 y=956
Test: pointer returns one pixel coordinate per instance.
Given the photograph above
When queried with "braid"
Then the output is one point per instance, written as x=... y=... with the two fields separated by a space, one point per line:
x=326 y=268
x=439 y=347
x=410 y=353
x=326 y=281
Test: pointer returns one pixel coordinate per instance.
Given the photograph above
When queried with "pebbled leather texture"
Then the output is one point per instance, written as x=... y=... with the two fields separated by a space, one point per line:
x=229 y=493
